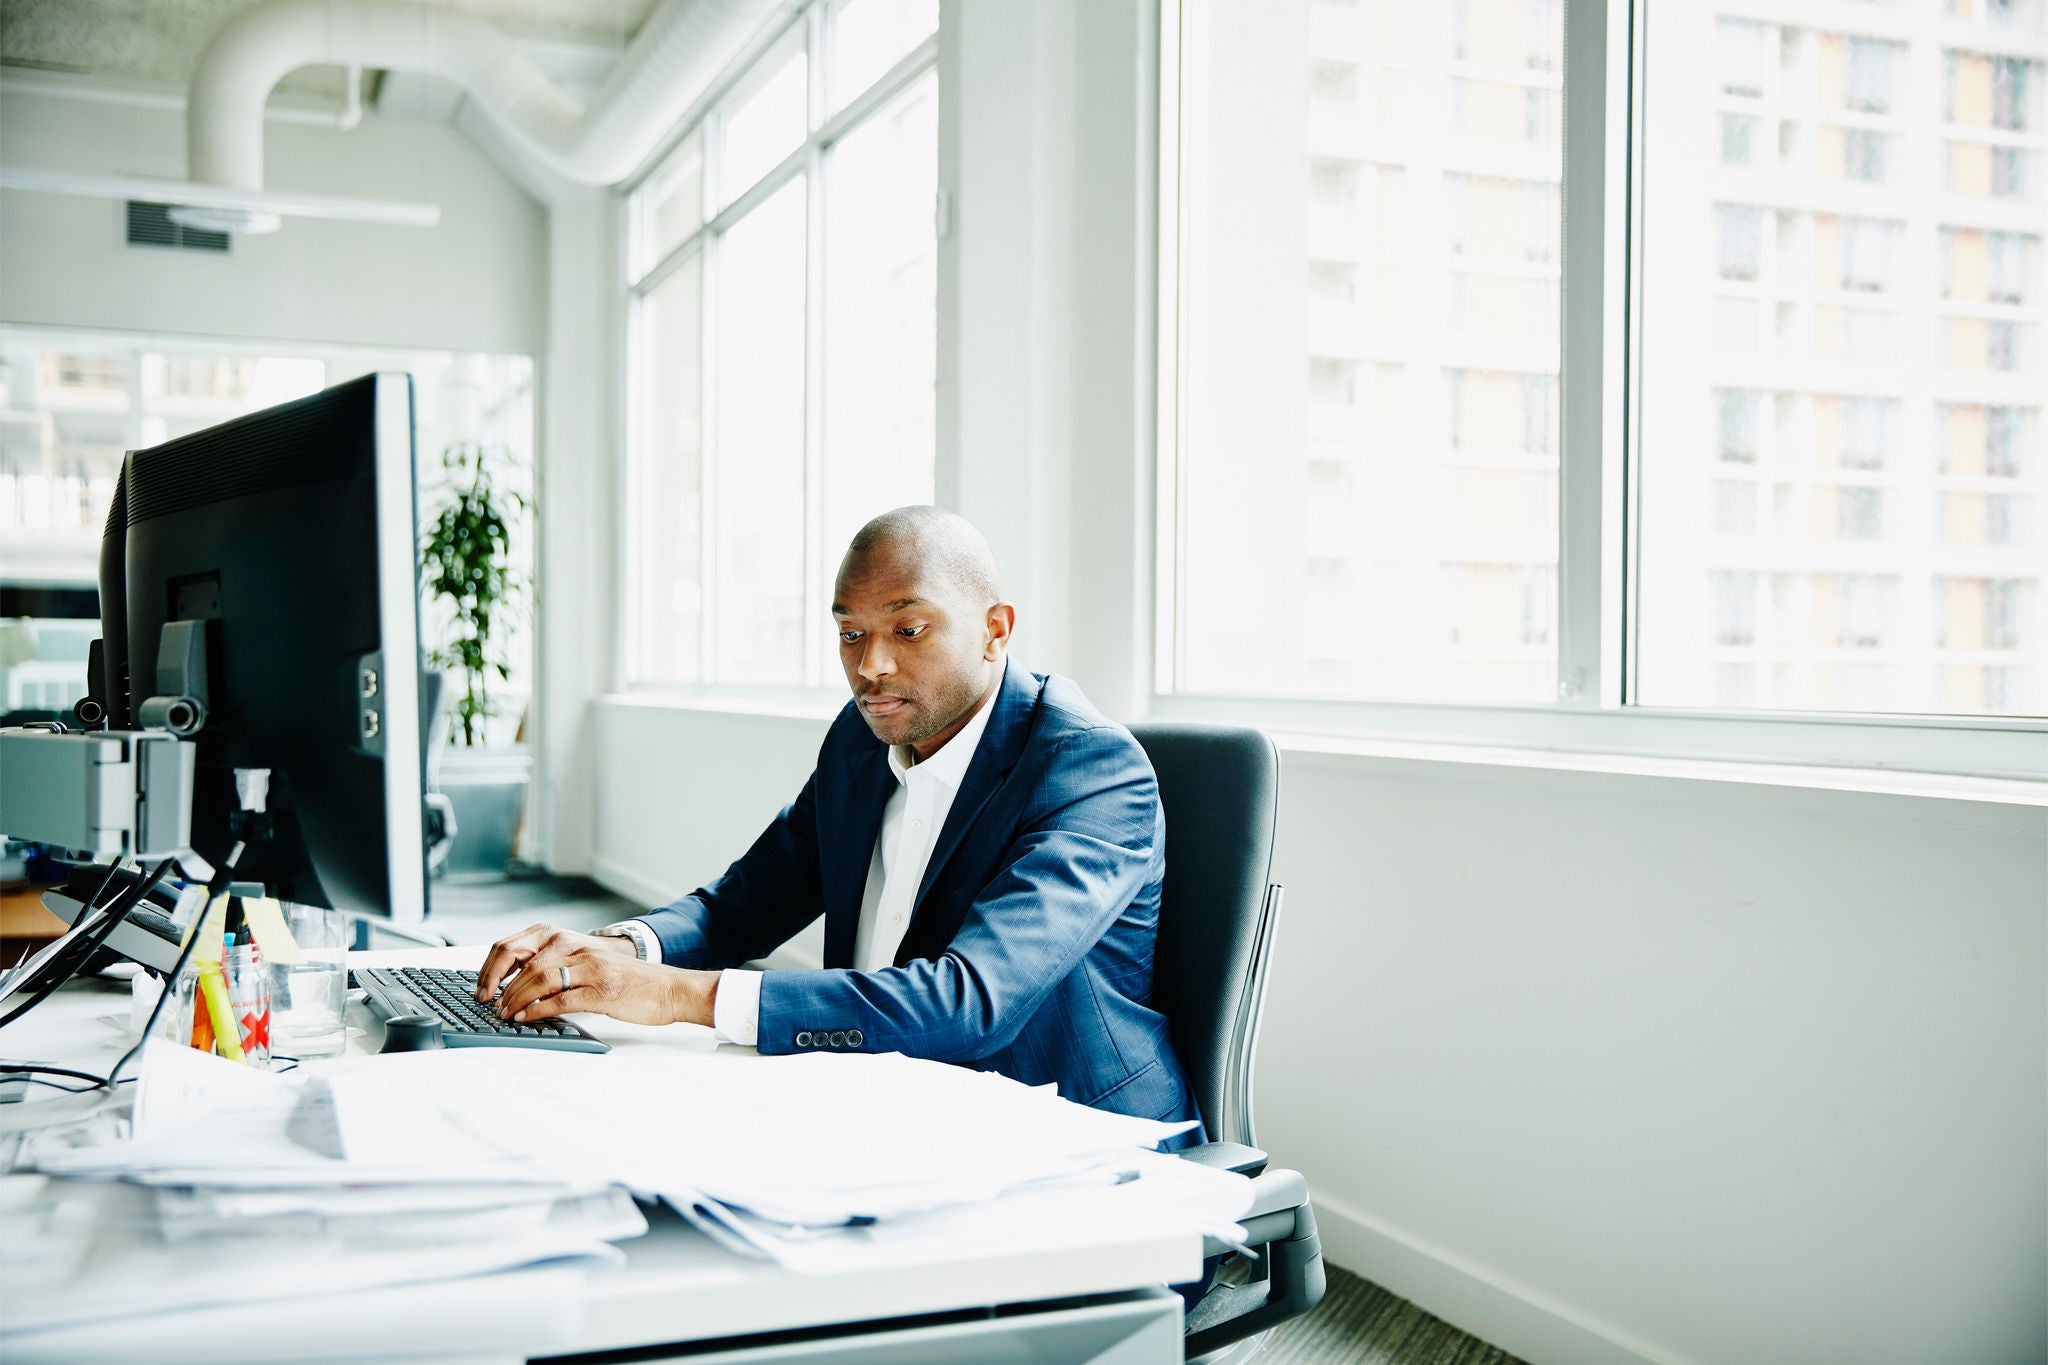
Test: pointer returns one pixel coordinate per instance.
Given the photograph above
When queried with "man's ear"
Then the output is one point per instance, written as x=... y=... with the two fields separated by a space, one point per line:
x=1002 y=619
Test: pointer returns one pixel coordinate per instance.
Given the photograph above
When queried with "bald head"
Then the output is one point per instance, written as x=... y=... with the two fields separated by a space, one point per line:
x=946 y=548
x=922 y=625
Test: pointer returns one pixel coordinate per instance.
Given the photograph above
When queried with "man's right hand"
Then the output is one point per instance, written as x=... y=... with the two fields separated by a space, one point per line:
x=508 y=955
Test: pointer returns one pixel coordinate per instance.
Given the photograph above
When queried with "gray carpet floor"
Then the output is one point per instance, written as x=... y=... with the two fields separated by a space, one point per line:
x=1359 y=1323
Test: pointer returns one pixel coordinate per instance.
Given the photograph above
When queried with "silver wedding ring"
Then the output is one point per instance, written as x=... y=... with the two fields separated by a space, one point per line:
x=565 y=978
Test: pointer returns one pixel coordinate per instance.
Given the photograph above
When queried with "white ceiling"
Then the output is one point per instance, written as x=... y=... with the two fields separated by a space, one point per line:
x=156 y=43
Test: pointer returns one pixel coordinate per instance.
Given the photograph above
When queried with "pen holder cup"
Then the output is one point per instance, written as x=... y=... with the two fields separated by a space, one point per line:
x=174 y=1023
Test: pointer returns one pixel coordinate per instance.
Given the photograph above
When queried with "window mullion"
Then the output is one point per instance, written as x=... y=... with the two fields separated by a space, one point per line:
x=708 y=361
x=1591 y=382
x=626 y=552
x=811 y=631
x=1169 y=222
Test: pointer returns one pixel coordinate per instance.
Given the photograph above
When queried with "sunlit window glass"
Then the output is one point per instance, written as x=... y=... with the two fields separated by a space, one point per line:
x=1842 y=369
x=1368 y=426
x=765 y=119
x=671 y=205
x=867 y=37
x=667 y=505
x=783 y=348
x=758 y=527
x=881 y=286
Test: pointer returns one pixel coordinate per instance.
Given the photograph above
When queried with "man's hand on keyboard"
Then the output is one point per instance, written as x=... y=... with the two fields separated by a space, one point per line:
x=604 y=977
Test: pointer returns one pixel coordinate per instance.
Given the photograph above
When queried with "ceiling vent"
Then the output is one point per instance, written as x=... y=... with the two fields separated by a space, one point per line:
x=151 y=225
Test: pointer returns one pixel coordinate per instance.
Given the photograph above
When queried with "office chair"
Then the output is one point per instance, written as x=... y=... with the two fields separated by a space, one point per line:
x=1218 y=912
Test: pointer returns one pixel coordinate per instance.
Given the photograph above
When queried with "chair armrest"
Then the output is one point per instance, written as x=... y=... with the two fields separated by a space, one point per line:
x=1278 y=1190
x=1226 y=1156
x=1279 y=1204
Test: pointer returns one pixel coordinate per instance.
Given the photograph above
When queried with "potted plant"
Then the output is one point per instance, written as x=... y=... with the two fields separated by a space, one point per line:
x=468 y=572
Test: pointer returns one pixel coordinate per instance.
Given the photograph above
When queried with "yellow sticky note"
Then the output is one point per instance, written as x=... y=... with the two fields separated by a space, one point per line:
x=210 y=927
x=273 y=935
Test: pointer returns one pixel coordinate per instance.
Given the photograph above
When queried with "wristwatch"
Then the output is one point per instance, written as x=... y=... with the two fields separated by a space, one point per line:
x=645 y=946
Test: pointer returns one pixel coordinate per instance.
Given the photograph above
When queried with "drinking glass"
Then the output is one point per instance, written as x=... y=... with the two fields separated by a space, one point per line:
x=309 y=999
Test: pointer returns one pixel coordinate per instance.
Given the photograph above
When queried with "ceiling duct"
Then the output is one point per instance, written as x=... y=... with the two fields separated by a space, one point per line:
x=671 y=64
x=667 y=69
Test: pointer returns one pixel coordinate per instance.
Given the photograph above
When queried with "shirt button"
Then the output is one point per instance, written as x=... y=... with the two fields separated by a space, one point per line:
x=895 y=919
x=917 y=824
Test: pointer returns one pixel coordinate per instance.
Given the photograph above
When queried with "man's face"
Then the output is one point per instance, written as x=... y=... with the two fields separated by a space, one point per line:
x=917 y=654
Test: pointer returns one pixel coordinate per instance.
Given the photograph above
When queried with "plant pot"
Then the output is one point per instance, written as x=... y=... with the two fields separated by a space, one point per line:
x=487 y=788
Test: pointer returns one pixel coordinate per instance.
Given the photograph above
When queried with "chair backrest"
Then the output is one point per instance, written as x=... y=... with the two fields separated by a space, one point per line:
x=1220 y=786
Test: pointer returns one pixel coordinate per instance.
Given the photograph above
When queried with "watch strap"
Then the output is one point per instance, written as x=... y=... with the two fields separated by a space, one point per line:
x=645 y=946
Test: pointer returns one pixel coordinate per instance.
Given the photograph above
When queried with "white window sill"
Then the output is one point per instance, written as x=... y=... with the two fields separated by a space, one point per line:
x=791 y=703
x=1995 y=763
x=1970 y=759
x=1875 y=781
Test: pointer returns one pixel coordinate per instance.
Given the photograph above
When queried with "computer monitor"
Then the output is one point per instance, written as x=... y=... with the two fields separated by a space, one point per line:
x=290 y=534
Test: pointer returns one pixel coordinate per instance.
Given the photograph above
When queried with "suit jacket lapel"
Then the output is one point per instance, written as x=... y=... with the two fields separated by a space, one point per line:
x=867 y=791
x=1001 y=743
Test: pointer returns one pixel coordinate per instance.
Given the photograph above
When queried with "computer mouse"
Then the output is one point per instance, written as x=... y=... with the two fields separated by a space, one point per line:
x=412 y=1033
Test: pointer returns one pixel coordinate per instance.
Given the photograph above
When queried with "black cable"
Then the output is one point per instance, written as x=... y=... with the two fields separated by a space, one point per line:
x=8 y=1069
x=92 y=902
x=113 y=870
x=76 y=956
x=117 y=911
x=55 y=1085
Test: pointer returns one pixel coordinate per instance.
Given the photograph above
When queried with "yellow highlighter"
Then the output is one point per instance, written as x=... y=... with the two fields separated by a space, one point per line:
x=213 y=987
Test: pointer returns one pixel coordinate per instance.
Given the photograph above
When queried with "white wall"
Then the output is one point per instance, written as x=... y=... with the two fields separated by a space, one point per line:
x=1604 y=1066
x=681 y=793
x=1600 y=1066
x=475 y=282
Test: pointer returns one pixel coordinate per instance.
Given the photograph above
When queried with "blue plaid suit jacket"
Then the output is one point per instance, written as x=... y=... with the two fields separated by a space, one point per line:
x=1030 y=944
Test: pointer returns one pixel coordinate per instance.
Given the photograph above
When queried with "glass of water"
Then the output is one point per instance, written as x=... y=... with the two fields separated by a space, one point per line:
x=309 y=999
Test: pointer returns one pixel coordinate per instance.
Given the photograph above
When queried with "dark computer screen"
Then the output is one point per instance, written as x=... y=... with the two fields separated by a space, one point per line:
x=289 y=534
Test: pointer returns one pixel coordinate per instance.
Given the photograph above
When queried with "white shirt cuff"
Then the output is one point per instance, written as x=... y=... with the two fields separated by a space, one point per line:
x=736 y=1013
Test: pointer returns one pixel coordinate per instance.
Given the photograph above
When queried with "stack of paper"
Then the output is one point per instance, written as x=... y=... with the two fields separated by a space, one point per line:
x=777 y=1156
x=234 y=1189
x=236 y=1184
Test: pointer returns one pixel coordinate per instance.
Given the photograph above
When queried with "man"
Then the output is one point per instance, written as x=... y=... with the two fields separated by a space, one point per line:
x=985 y=846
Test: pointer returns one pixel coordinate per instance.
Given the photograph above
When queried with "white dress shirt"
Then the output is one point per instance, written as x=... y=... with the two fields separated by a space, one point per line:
x=911 y=820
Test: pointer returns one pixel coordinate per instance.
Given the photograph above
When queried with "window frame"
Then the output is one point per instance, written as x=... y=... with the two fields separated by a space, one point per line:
x=809 y=28
x=1604 y=70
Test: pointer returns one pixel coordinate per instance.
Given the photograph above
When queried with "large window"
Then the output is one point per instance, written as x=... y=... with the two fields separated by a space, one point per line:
x=782 y=337
x=1805 y=353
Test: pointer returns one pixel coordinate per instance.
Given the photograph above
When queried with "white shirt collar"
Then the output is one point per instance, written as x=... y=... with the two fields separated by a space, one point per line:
x=949 y=764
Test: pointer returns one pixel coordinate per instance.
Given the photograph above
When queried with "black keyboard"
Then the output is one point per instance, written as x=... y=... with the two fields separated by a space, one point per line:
x=450 y=996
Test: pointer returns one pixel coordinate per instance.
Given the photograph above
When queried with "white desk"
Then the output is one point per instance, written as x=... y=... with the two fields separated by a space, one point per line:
x=677 y=1287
